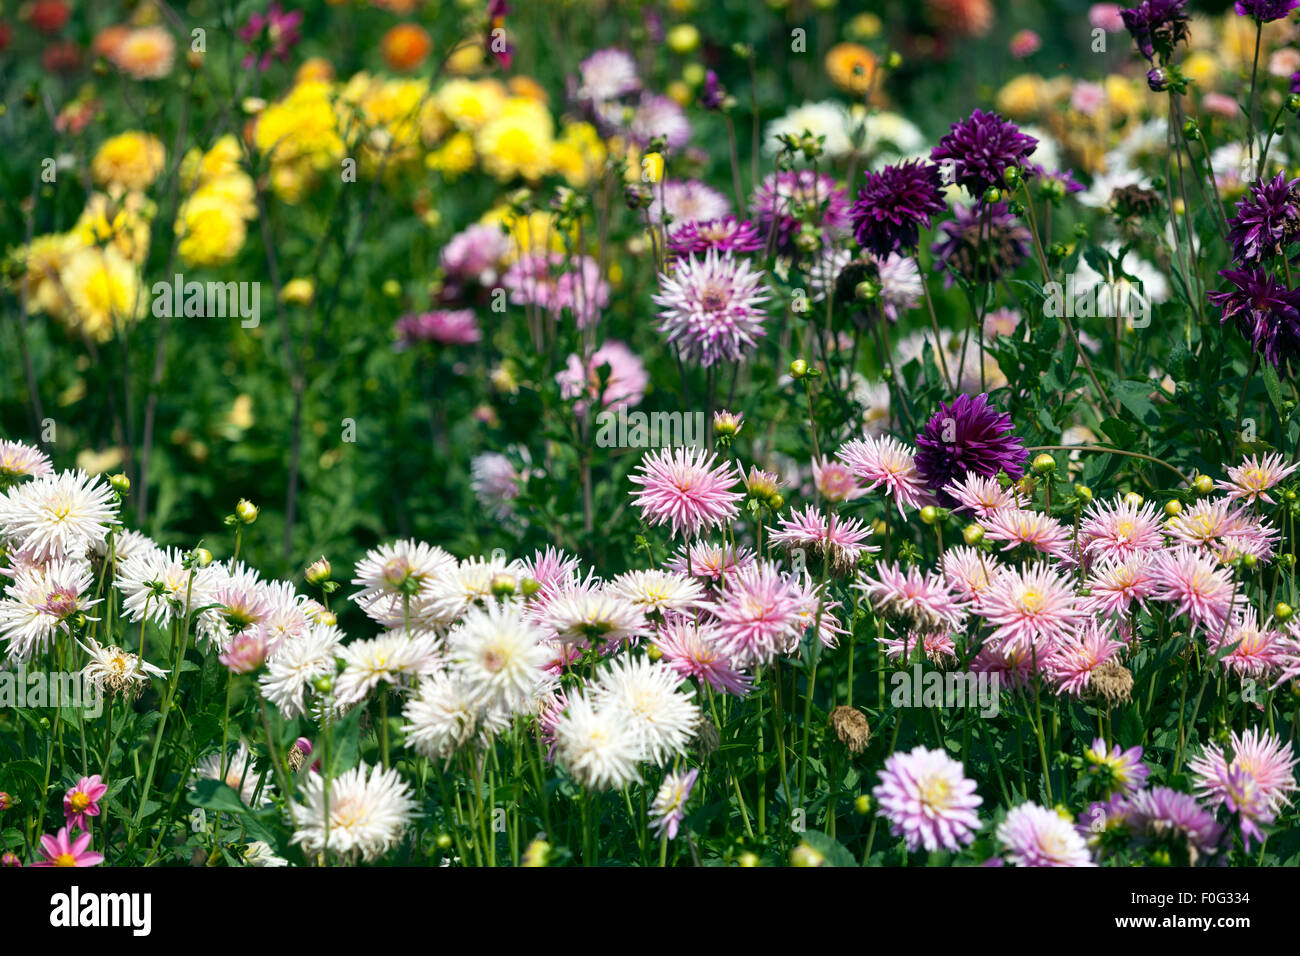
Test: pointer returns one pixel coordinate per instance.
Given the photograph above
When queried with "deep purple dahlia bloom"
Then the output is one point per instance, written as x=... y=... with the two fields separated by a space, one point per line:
x=1265 y=11
x=1157 y=26
x=894 y=204
x=967 y=436
x=1265 y=310
x=1268 y=219
x=981 y=149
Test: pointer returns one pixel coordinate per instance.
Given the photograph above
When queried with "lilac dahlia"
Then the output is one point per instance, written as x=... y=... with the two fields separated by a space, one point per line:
x=894 y=204
x=712 y=307
x=928 y=800
x=967 y=436
x=1039 y=836
x=981 y=243
x=981 y=149
x=1162 y=814
x=778 y=201
x=727 y=234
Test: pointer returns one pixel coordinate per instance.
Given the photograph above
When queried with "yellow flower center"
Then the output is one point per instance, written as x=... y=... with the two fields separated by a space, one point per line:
x=79 y=801
x=1032 y=601
x=65 y=859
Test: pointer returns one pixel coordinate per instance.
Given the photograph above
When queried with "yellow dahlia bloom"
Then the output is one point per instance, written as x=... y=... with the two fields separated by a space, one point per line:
x=103 y=292
x=517 y=142
x=300 y=133
x=124 y=222
x=578 y=154
x=129 y=161
x=211 y=229
x=41 y=262
x=391 y=118
x=1022 y=96
x=851 y=67
x=455 y=157
x=533 y=234
x=470 y=104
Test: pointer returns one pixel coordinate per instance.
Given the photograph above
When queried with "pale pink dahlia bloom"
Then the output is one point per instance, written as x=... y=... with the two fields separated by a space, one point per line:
x=1033 y=607
x=886 y=461
x=1252 y=479
x=686 y=488
x=921 y=599
x=759 y=614
x=1193 y=582
x=1118 y=529
x=927 y=800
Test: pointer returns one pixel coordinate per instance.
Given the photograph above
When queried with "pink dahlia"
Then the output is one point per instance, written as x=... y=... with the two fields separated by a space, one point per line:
x=1116 y=586
x=759 y=614
x=927 y=800
x=1077 y=657
x=1255 y=784
x=82 y=801
x=1252 y=479
x=1031 y=608
x=886 y=462
x=686 y=488
x=1193 y=582
x=982 y=495
x=692 y=650
x=920 y=599
x=62 y=850
x=841 y=541
x=1033 y=529
x=969 y=572
x=1120 y=528
x=614 y=377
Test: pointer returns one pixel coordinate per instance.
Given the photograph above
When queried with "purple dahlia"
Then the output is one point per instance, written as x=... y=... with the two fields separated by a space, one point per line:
x=894 y=204
x=784 y=200
x=1265 y=11
x=967 y=436
x=1266 y=312
x=727 y=234
x=1157 y=26
x=1268 y=219
x=981 y=149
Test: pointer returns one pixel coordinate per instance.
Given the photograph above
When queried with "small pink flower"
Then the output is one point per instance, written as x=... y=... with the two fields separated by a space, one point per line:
x=1025 y=43
x=1106 y=16
x=82 y=801
x=1252 y=479
x=62 y=850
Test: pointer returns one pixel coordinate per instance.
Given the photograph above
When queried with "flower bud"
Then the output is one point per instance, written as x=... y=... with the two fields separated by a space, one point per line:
x=1293 y=102
x=1283 y=611
x=929 y=514
x=1173 y=508
x=120 y=483
x=202 y=557
x=862 y=804
x=992 y=195
x=318 y=572
x=1158 y=79
x=972 y=534
x=1084 y=493
x=1044 y=464
x=799 y=368
x=1133 y=499
x=866 y=291
x=246 y=511
x=747 y=859
x=503 y=584
x=1203 y=485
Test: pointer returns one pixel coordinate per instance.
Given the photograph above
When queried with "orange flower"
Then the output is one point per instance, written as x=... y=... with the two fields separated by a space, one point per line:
x=972 y=18
x=146 y=54
x=851 y=67
x=109 y=39
x=317 y=69
x=405 y=46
